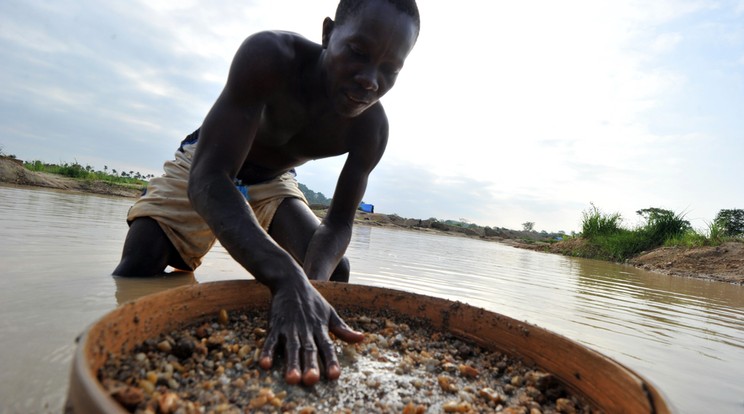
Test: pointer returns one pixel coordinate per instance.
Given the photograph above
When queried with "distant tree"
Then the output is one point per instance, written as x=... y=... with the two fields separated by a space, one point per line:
x=655 y=215
x=528 y=226
x=731 y=221
x=662 y=225
x=313 y=197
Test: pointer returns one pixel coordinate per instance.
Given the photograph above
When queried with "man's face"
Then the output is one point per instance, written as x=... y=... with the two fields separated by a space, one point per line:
x=364 y=55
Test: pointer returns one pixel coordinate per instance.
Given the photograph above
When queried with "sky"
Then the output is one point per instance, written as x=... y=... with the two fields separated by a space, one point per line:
x=505 y=112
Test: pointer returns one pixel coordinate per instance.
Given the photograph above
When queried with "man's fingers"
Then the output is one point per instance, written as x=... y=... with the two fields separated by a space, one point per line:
x=293 y=377
x=293 y=374
x=267 y=353
x=343 y=331
x=311 y=375
x=328 y=353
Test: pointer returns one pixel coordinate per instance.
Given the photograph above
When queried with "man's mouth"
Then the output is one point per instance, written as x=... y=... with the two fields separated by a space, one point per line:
x=359 y=100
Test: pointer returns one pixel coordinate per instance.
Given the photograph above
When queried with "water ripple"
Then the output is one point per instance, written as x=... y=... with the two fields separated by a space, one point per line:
x=57 y=251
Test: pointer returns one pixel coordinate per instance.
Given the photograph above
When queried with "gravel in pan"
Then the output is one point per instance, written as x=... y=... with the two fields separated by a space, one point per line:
x=403 y=366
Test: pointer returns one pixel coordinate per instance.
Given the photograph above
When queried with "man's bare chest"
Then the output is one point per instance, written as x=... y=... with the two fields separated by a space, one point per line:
x=296 y=134
x=279 y=147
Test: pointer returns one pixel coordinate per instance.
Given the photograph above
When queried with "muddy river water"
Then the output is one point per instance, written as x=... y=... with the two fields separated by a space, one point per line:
x=57 y=250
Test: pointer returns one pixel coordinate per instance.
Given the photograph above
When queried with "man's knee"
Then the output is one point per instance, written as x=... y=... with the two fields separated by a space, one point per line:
x=129 y=267
x=146 y=250
x=341 y=274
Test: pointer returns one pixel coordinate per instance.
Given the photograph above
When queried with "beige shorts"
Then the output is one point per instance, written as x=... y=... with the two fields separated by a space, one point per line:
x=167 y=202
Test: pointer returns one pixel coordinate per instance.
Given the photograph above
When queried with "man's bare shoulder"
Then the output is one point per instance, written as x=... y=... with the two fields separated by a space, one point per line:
x=267 y=61
x=367 y=134
x=278 y=49
x=373 y=120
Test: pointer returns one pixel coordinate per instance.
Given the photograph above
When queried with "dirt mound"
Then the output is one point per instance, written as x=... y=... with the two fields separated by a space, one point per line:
x=13 y=172
x=723 y=263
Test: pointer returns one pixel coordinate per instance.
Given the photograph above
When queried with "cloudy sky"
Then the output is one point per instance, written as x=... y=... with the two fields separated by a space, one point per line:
x=505 y=112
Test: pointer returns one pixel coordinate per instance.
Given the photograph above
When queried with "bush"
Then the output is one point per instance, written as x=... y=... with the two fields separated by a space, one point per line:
x=731 y=222
x=73 y=170
x=615 y=243
x=621 y=245
x=596 y=223
x=662 y=225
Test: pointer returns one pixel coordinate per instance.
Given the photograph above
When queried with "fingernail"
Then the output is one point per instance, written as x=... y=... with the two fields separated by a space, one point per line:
x=293 y=377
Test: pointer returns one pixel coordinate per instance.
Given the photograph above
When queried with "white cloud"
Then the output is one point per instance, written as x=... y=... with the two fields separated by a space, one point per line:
x=505 y=112
x=666 y=42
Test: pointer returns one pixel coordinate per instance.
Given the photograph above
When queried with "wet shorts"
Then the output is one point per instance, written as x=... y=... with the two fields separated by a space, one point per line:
x=167 y=202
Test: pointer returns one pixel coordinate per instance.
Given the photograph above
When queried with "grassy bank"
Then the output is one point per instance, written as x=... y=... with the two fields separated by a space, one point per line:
x=604 y=237
x=77 y=171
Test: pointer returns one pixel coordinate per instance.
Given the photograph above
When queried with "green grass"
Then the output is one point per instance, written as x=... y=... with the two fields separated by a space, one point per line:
x=715 y=236
x=597 y=224
x=607 y=240
x=620 y=245
x=77 y=171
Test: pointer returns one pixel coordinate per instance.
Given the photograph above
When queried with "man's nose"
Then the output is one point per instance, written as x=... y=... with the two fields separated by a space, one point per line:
x=368 y=80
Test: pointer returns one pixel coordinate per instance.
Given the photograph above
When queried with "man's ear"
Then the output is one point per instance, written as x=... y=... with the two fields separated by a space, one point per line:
x=328 y=25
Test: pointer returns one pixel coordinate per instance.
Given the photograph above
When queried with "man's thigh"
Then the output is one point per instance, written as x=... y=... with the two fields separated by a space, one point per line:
x=293 y=227
x=147 y=250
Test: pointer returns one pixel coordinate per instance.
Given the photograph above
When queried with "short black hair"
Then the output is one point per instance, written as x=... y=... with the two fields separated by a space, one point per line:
x=348 y=8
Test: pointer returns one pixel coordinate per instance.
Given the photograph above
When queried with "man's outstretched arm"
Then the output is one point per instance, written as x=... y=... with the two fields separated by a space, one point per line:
x=300 y=316
x=332 y=237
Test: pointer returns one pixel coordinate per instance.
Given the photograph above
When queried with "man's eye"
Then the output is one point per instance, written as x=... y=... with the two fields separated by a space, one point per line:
x=391 y=70
x=357 y=51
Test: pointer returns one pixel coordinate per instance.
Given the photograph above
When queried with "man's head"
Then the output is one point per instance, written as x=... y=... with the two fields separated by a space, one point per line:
x=348 y=8
x=365 y=49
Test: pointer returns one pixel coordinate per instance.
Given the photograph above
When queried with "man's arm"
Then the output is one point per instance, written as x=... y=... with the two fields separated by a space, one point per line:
x=332 y=237
x=226 y=137
x=300 y=317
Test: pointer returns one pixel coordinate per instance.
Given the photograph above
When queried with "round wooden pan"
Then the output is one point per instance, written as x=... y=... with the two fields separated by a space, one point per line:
x=610 y=386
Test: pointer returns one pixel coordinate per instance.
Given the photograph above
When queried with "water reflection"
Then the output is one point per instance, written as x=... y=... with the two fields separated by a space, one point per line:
x=131 y=288
x=678 y=332
x=57 y=251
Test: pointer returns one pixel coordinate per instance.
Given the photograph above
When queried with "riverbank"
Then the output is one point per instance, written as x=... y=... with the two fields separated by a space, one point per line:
x=724 y=263
x=12 y=171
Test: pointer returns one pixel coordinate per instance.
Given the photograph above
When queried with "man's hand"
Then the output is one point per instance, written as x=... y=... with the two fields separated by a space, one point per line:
x=302 y=318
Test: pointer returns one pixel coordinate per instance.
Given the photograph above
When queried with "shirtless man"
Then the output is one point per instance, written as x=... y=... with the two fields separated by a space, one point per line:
x=286 y=101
